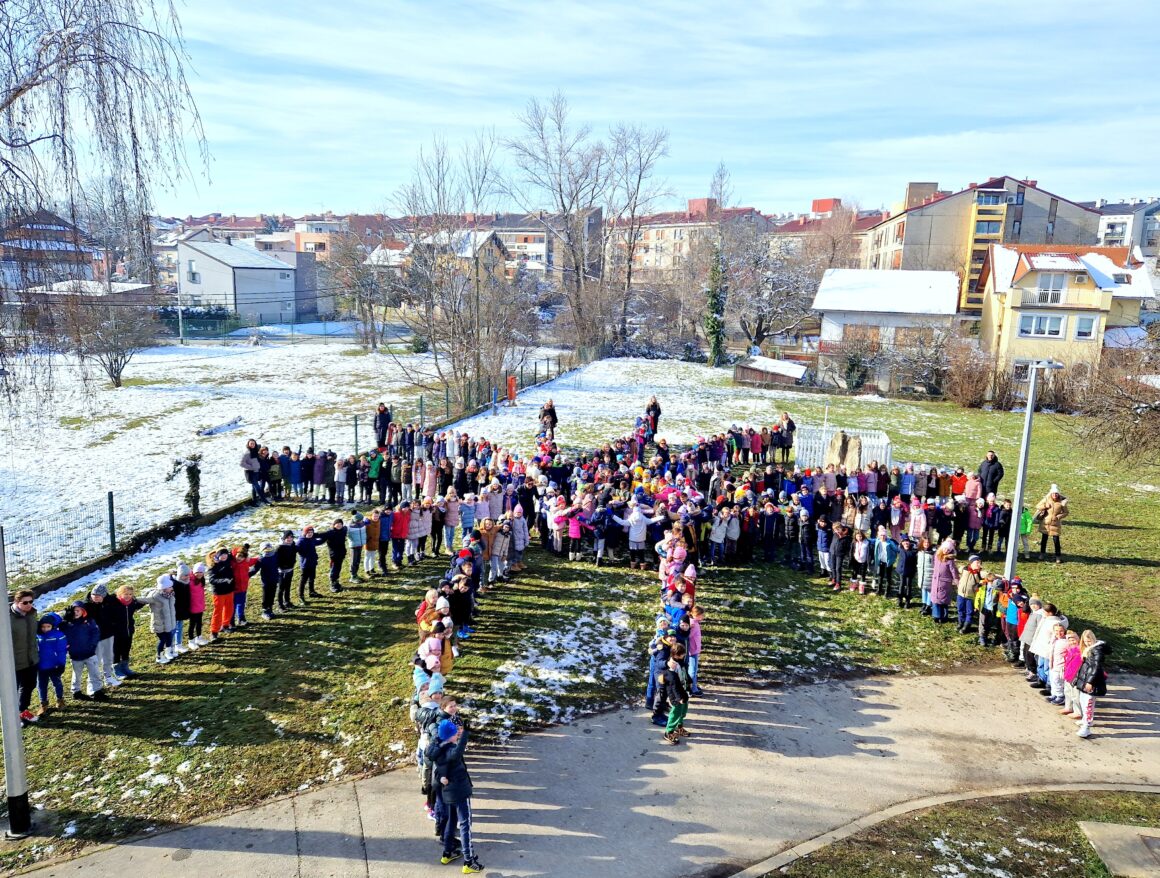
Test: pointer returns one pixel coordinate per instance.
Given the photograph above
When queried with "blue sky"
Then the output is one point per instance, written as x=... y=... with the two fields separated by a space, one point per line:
x=312 y=106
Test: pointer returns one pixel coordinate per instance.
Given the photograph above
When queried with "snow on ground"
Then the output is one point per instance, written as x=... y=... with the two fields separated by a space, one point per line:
x=531 y=687
x=56 y=466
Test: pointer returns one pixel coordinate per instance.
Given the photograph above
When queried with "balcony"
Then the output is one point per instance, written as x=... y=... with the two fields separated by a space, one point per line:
x=1067 y=298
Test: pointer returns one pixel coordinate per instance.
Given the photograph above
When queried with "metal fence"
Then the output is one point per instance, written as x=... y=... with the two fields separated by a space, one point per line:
x=812 y=441
x=40 y=549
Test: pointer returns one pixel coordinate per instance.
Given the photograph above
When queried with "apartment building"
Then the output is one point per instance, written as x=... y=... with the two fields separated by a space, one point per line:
x=1131 y=223
x=829 y=230
x=535 y=240
x=953 y=231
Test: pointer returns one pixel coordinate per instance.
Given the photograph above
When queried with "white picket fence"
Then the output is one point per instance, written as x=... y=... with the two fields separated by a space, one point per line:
x=811 y=442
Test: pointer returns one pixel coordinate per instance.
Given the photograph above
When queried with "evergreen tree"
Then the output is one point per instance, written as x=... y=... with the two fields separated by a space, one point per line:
x=715 y=295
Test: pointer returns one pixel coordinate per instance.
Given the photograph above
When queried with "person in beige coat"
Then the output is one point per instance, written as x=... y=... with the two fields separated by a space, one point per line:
x=1050 y=513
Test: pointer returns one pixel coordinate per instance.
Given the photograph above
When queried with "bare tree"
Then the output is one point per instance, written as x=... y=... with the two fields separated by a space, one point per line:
x=1122 y=406
x=459 y=290
x=363 y=289
x=91 y=87
x=772 y=289
x=562 y=162
x=721 y=186
x=108 y=334
x=635 y=152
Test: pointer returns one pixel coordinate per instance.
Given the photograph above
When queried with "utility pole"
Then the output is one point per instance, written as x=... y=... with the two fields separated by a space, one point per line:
x=1021 y=477
x=15 y=769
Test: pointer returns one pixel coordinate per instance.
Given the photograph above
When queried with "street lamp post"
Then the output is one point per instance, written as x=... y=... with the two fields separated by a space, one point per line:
x=1021 y=479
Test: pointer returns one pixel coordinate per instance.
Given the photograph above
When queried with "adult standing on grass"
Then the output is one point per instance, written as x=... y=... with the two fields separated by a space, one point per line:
x=22 y=616
x=1050 y=513
x=653 y=410
x=382 y=425
x=990 y=474
x=786 y=435
x=252 y=467
x=549 y=419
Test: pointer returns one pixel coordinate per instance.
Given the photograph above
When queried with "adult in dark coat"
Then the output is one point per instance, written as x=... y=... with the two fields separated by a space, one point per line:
x=991 y=473
x=382 y=424
x=22 y=615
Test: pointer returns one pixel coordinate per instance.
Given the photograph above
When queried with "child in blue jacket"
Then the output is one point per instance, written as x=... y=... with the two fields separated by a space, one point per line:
x=53 y=647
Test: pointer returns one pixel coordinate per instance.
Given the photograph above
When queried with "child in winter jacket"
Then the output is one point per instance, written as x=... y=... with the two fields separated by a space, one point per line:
x=1072 y=659
x=969 y=582
x=83 y=635
x=221 y=580
x=53 y=646
x=163 y=609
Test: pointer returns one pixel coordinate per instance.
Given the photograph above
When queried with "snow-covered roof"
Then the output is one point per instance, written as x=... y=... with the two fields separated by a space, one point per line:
x=1125 y=337
x=91 y=287
x=1055 y=262
x=888 y=292
x=1125 y=283
x=236 y=257
x=777 y=367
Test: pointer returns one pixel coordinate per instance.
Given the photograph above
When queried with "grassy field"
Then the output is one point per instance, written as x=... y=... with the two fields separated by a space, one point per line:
x=1002 y=837
x=320 y=695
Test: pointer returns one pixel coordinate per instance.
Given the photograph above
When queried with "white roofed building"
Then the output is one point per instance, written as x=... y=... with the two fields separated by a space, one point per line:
x=252 y=284
x=865 y=312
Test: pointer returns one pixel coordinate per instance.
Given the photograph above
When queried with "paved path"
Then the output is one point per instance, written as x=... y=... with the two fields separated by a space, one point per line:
x=602 y=797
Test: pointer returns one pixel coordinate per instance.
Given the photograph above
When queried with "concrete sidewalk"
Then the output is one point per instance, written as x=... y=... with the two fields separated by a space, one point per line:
x=604 y=797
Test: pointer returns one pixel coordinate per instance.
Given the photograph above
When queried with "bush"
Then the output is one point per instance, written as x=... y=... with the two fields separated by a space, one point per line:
x=969 y=374
x=420 y=345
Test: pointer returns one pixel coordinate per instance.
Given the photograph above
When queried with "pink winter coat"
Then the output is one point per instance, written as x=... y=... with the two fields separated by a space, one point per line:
x=197 y=593
x=943 y=581
x=917 y=527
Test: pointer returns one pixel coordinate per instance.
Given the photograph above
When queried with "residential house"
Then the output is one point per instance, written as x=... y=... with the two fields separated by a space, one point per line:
x=165 y=251
x=1059 y=303
x=866 y=313
x=42 y=248
x=952 y=231
x=251 y=284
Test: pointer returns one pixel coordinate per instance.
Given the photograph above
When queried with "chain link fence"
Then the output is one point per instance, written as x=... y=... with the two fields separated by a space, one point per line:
x=40 y=548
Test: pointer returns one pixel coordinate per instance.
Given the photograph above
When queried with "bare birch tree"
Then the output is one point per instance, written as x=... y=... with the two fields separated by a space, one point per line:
x=93 y=87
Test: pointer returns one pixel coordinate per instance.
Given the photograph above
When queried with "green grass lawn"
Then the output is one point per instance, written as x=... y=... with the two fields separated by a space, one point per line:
x=321 y=694
x=1013 y=836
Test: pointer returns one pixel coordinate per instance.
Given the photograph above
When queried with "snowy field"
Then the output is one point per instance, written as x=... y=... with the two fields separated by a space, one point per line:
x=57 y=465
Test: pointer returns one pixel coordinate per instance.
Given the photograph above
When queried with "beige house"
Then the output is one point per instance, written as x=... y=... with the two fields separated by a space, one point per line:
x=953 y=231
x=1059 y=303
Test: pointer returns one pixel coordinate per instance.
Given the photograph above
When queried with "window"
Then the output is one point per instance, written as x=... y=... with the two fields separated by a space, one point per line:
x=1050 y=286
x=987 y=227
x=1122 y=278
x=1040 y=326
x=1016 y=227
x=283 y=275
x=1085 y=327
x=1021 y=372
x=1019 y=197
x=899 y=232
x=913 y=336
x=1051 y=228
x=989 y=198
x=192 y=266
x=896 y=260
x=287 y=306
x=979 y=256
x=857 y=333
